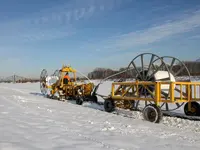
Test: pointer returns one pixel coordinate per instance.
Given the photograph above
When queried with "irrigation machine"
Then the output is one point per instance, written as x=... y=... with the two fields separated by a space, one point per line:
x=157 y=84
x=55 y=87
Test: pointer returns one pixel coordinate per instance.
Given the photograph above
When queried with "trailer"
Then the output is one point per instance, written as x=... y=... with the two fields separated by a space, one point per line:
x=162 y=84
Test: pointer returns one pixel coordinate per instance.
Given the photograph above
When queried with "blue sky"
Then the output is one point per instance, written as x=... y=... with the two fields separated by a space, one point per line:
x=94 y=33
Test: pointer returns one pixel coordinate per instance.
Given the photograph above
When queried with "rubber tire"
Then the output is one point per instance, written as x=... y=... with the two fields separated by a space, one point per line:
x=157 y=110
x=194 y=105
x=79 y=101
x=109 y=105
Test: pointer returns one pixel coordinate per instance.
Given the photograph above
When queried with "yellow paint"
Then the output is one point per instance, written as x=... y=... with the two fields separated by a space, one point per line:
x=132 y=92
x=70 y=89
x=172 y=91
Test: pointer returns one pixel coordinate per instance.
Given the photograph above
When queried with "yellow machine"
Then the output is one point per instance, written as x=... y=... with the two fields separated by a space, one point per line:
x=66 y=91
x=163 y=85
x=125 y=94
x=156 y=84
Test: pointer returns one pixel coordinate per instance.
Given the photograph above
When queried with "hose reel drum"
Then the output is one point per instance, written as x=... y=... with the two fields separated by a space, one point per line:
x=151 y=67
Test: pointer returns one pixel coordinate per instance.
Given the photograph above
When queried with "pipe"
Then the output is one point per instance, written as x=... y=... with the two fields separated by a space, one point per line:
x=84 y=75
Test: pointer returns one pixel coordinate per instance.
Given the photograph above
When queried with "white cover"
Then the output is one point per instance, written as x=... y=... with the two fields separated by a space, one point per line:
x=51 y=80
x=162 y=75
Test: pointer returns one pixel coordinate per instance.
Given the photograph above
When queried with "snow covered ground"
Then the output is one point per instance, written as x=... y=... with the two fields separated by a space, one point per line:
x=29 y=122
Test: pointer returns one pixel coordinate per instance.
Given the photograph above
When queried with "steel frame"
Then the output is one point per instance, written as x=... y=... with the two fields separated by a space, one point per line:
x=130 y=91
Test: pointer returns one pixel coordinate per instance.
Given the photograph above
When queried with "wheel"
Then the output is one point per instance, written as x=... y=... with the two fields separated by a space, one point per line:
x=109 y=105
x=43 y=77
x=57 y=73
x=195 y=109
x=79 y=100
x=179 y=72
x=150 y=68
x=152 y=113
x=165 y=68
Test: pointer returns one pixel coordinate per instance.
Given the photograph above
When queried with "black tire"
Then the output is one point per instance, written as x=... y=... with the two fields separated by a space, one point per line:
x=109 y=105
x=196 y=109
x=79 y=101
x=152 y=113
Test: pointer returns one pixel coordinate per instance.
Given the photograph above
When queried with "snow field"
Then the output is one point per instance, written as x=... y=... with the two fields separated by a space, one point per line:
x=29 y=121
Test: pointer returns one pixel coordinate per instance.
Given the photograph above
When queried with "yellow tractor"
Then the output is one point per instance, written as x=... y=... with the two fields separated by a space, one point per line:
x=58 y=87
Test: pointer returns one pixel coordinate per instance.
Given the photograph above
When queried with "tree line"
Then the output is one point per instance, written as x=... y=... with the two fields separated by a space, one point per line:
x=101 y=73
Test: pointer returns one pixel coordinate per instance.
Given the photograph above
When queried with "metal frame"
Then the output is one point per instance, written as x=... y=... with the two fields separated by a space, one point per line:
x=171 y=65
x=65 y=91
x=130 y=92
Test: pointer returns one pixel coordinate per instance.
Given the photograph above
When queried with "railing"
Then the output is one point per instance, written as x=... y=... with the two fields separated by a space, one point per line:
x=169 y=92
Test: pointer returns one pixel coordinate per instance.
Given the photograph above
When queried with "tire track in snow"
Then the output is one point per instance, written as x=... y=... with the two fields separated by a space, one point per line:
x=56 y=122
x=89 y=138
x=167 y=121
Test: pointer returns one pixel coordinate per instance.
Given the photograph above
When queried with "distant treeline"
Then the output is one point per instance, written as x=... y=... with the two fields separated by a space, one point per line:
x=193 y=67
x=101 y=73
